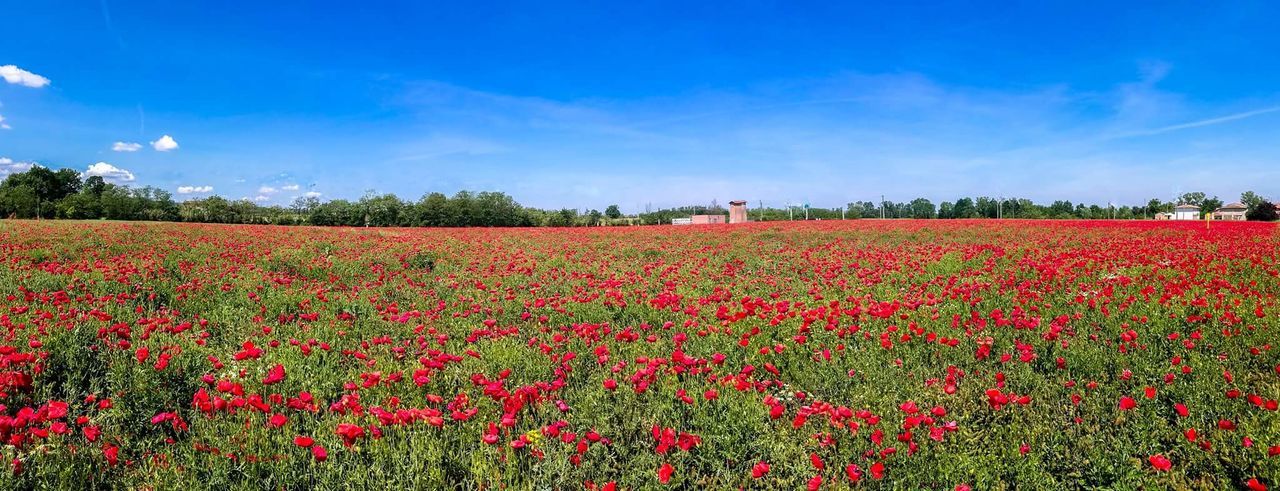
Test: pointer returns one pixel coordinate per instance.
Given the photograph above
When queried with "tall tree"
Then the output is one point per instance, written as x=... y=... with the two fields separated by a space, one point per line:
x=923 y=208
x=1154 y=206
x=1209 y=205
x=1061 y=209
x=946 y=210
x=1251 y=200
x=431 y=210
x=1195 y=198
x=964 y=208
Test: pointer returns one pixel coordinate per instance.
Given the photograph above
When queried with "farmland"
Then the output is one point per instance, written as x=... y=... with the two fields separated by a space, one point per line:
x=878 y=354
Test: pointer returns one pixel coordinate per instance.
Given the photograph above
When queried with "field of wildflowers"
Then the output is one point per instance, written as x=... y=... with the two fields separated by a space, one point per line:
x=826 y=355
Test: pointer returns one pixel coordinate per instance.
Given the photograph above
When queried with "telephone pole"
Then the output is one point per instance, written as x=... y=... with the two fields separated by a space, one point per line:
x=882 y=207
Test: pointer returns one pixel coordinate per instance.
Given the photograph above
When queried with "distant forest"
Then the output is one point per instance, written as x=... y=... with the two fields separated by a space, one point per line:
x=45 y=193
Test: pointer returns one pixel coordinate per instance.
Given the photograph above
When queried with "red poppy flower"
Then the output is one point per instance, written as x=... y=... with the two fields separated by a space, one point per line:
x=853 y=472
x=274 y=375
x=759 y=470
x=1160 y=462
x=877 y=470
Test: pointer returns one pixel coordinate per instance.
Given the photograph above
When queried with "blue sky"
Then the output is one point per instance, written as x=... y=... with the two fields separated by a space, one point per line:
x=587 y=104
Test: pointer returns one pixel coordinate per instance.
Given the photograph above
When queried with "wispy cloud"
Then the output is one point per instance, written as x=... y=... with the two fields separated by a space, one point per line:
x=194 y=189
x=829 y=140
x=1202 y=123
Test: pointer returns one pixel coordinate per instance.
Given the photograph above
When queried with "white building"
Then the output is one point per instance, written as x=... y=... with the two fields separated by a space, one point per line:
x=1186 y=212
x=1231 y=211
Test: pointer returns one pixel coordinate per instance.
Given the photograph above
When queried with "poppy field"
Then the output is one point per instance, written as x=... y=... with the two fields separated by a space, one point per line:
x=963 y=354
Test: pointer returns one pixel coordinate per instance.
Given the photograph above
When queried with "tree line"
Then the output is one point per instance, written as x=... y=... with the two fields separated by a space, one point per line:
x=1259 y=208
x=45 y=193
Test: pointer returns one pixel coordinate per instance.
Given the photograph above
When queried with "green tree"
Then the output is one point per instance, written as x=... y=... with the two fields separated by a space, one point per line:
x=18 y=200
x=564 y=218
x=1195 y=198
x=1208 y=205
x=380 y=210
x=1061 y=209
x=305 y=205
x=964 y=208
x=946 y=210
x=1264 y=212
x=1251 y=200
x=613 y=212
x=1154 y=205
x=46 y=187
x=923 y=208
x=431 y=210
x=461 y=210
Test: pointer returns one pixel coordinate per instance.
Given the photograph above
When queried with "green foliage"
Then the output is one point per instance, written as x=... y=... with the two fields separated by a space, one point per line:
x=1264 y=212
x=1209 y=205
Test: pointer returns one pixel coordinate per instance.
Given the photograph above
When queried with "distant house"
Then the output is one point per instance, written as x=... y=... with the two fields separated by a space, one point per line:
x=1231 y=211
x=1164 y=216
x=1186 y=212
x=699 y=220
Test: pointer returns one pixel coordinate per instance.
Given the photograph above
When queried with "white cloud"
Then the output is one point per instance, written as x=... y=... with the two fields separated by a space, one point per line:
x=15 y=75
x=195 y=189
x=165 y=144
x=126 y=146
x=289 y=187
x=261 y=198
x=4 y=126
x=312 y=194
x=109 y=172
x=267 y=190
x=8 y=166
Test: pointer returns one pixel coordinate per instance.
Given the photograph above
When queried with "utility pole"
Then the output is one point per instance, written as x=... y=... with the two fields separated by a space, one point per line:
x=882 y=207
